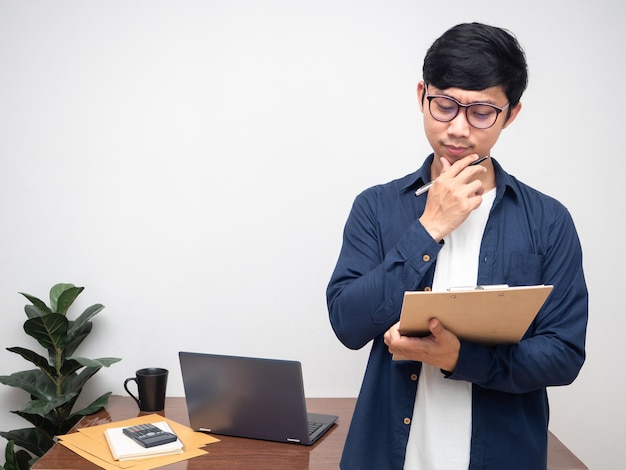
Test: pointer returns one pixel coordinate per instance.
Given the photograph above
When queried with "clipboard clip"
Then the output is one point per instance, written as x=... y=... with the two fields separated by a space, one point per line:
x=479 y=287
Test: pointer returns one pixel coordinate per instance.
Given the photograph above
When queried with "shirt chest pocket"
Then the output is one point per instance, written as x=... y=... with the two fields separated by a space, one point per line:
x=524 y=269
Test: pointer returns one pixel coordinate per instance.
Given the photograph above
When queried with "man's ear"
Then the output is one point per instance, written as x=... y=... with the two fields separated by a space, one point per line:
x=512 y=115
x=421 y=91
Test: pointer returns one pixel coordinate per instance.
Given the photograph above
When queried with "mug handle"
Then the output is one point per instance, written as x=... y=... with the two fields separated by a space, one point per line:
x=129 y=392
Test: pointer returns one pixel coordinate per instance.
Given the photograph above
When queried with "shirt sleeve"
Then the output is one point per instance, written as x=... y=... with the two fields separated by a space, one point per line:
x=366 y=289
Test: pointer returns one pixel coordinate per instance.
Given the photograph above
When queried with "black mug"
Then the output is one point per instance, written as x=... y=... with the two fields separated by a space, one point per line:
x=151 y=384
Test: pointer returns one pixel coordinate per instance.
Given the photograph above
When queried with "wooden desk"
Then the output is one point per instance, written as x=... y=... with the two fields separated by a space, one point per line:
x=235 y=453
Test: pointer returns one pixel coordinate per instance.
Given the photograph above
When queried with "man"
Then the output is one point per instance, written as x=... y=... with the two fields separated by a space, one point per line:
x=457 y=404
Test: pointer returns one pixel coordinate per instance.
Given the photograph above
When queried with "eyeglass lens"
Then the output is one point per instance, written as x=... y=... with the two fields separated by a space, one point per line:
x=478 y=115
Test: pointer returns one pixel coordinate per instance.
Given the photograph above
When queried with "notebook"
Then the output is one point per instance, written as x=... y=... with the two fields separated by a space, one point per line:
x=249 y=397
x=124 y=448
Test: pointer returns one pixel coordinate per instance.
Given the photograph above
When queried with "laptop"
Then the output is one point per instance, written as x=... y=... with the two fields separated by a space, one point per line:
x=249 y=397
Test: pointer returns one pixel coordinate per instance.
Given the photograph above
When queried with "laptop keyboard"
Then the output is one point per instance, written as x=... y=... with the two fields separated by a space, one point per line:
x=314 y=427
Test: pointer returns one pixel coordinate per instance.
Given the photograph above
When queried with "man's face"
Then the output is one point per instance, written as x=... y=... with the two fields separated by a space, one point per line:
x=457 y=138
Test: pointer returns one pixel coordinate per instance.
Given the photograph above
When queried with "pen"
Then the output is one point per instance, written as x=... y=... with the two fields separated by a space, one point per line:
x=422 y=189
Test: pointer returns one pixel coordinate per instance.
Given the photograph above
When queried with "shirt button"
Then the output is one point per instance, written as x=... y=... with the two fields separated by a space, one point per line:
x=427 y=289
x=426 y=258
x=407 y=420
x=413 y=377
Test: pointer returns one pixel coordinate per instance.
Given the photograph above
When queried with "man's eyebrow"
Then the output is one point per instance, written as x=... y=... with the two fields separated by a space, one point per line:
x=484 y=101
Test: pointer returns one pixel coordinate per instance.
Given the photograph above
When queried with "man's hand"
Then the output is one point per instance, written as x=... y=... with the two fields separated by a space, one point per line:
x=455 y=193
x=439 y=349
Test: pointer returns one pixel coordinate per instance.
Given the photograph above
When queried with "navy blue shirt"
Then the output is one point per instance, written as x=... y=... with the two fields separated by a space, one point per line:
x=529 y=239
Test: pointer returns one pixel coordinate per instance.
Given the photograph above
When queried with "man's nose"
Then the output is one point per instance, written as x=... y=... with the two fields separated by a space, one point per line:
x=459 y=126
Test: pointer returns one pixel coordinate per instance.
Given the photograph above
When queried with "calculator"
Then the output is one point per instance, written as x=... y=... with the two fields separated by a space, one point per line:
x=149 y=435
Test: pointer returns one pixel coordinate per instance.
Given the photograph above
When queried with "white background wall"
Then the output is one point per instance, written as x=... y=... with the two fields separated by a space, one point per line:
x=192 y=163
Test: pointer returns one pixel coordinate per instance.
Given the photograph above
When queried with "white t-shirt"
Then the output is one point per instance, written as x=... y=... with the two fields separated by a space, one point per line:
x=441 y=428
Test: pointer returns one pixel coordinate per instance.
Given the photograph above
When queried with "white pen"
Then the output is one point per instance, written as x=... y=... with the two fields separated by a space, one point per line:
x=422 y=189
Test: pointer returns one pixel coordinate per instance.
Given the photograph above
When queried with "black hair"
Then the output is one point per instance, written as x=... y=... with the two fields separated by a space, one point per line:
x=475 y=56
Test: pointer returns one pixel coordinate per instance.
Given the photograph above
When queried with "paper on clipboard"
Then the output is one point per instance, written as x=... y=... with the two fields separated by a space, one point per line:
x=483 y=315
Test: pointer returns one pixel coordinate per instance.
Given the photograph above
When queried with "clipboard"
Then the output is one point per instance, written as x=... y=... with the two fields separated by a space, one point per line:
x=483 y=314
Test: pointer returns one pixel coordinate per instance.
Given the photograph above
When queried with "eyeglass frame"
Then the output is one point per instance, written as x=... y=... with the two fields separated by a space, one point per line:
x=460 y=105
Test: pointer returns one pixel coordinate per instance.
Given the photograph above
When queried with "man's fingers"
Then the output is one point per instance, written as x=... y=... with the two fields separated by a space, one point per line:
x=435 y=327
x=445 y=164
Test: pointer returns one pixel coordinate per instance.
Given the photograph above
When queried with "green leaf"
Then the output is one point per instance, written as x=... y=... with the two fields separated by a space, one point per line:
x=77 y=338
x=38 y=304
x=42 y=407
x=84 y=317
x=9 y=455
x=62 y=415
x=19 y=460
x=24 y=460
x=96 y=405
x=68 y=424
x=101 y=362
x=55 y=421
x=50 y=331
x=69 y=367
x=79 y=329
x=34 y=382
x=32 y=439
x=74 y=383
x=55 y=292
x=45 y=424
x=66 y=299
x=35 y=358
x=33 y=312
x=78 y=382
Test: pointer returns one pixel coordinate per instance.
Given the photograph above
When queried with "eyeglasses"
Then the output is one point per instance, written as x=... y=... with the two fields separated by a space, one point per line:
x=479 y=115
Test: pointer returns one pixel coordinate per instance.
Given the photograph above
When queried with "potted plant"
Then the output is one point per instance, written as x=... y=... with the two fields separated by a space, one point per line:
x=57 y=381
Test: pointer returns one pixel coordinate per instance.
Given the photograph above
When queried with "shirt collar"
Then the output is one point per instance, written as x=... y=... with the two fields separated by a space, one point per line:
x=420 y=177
